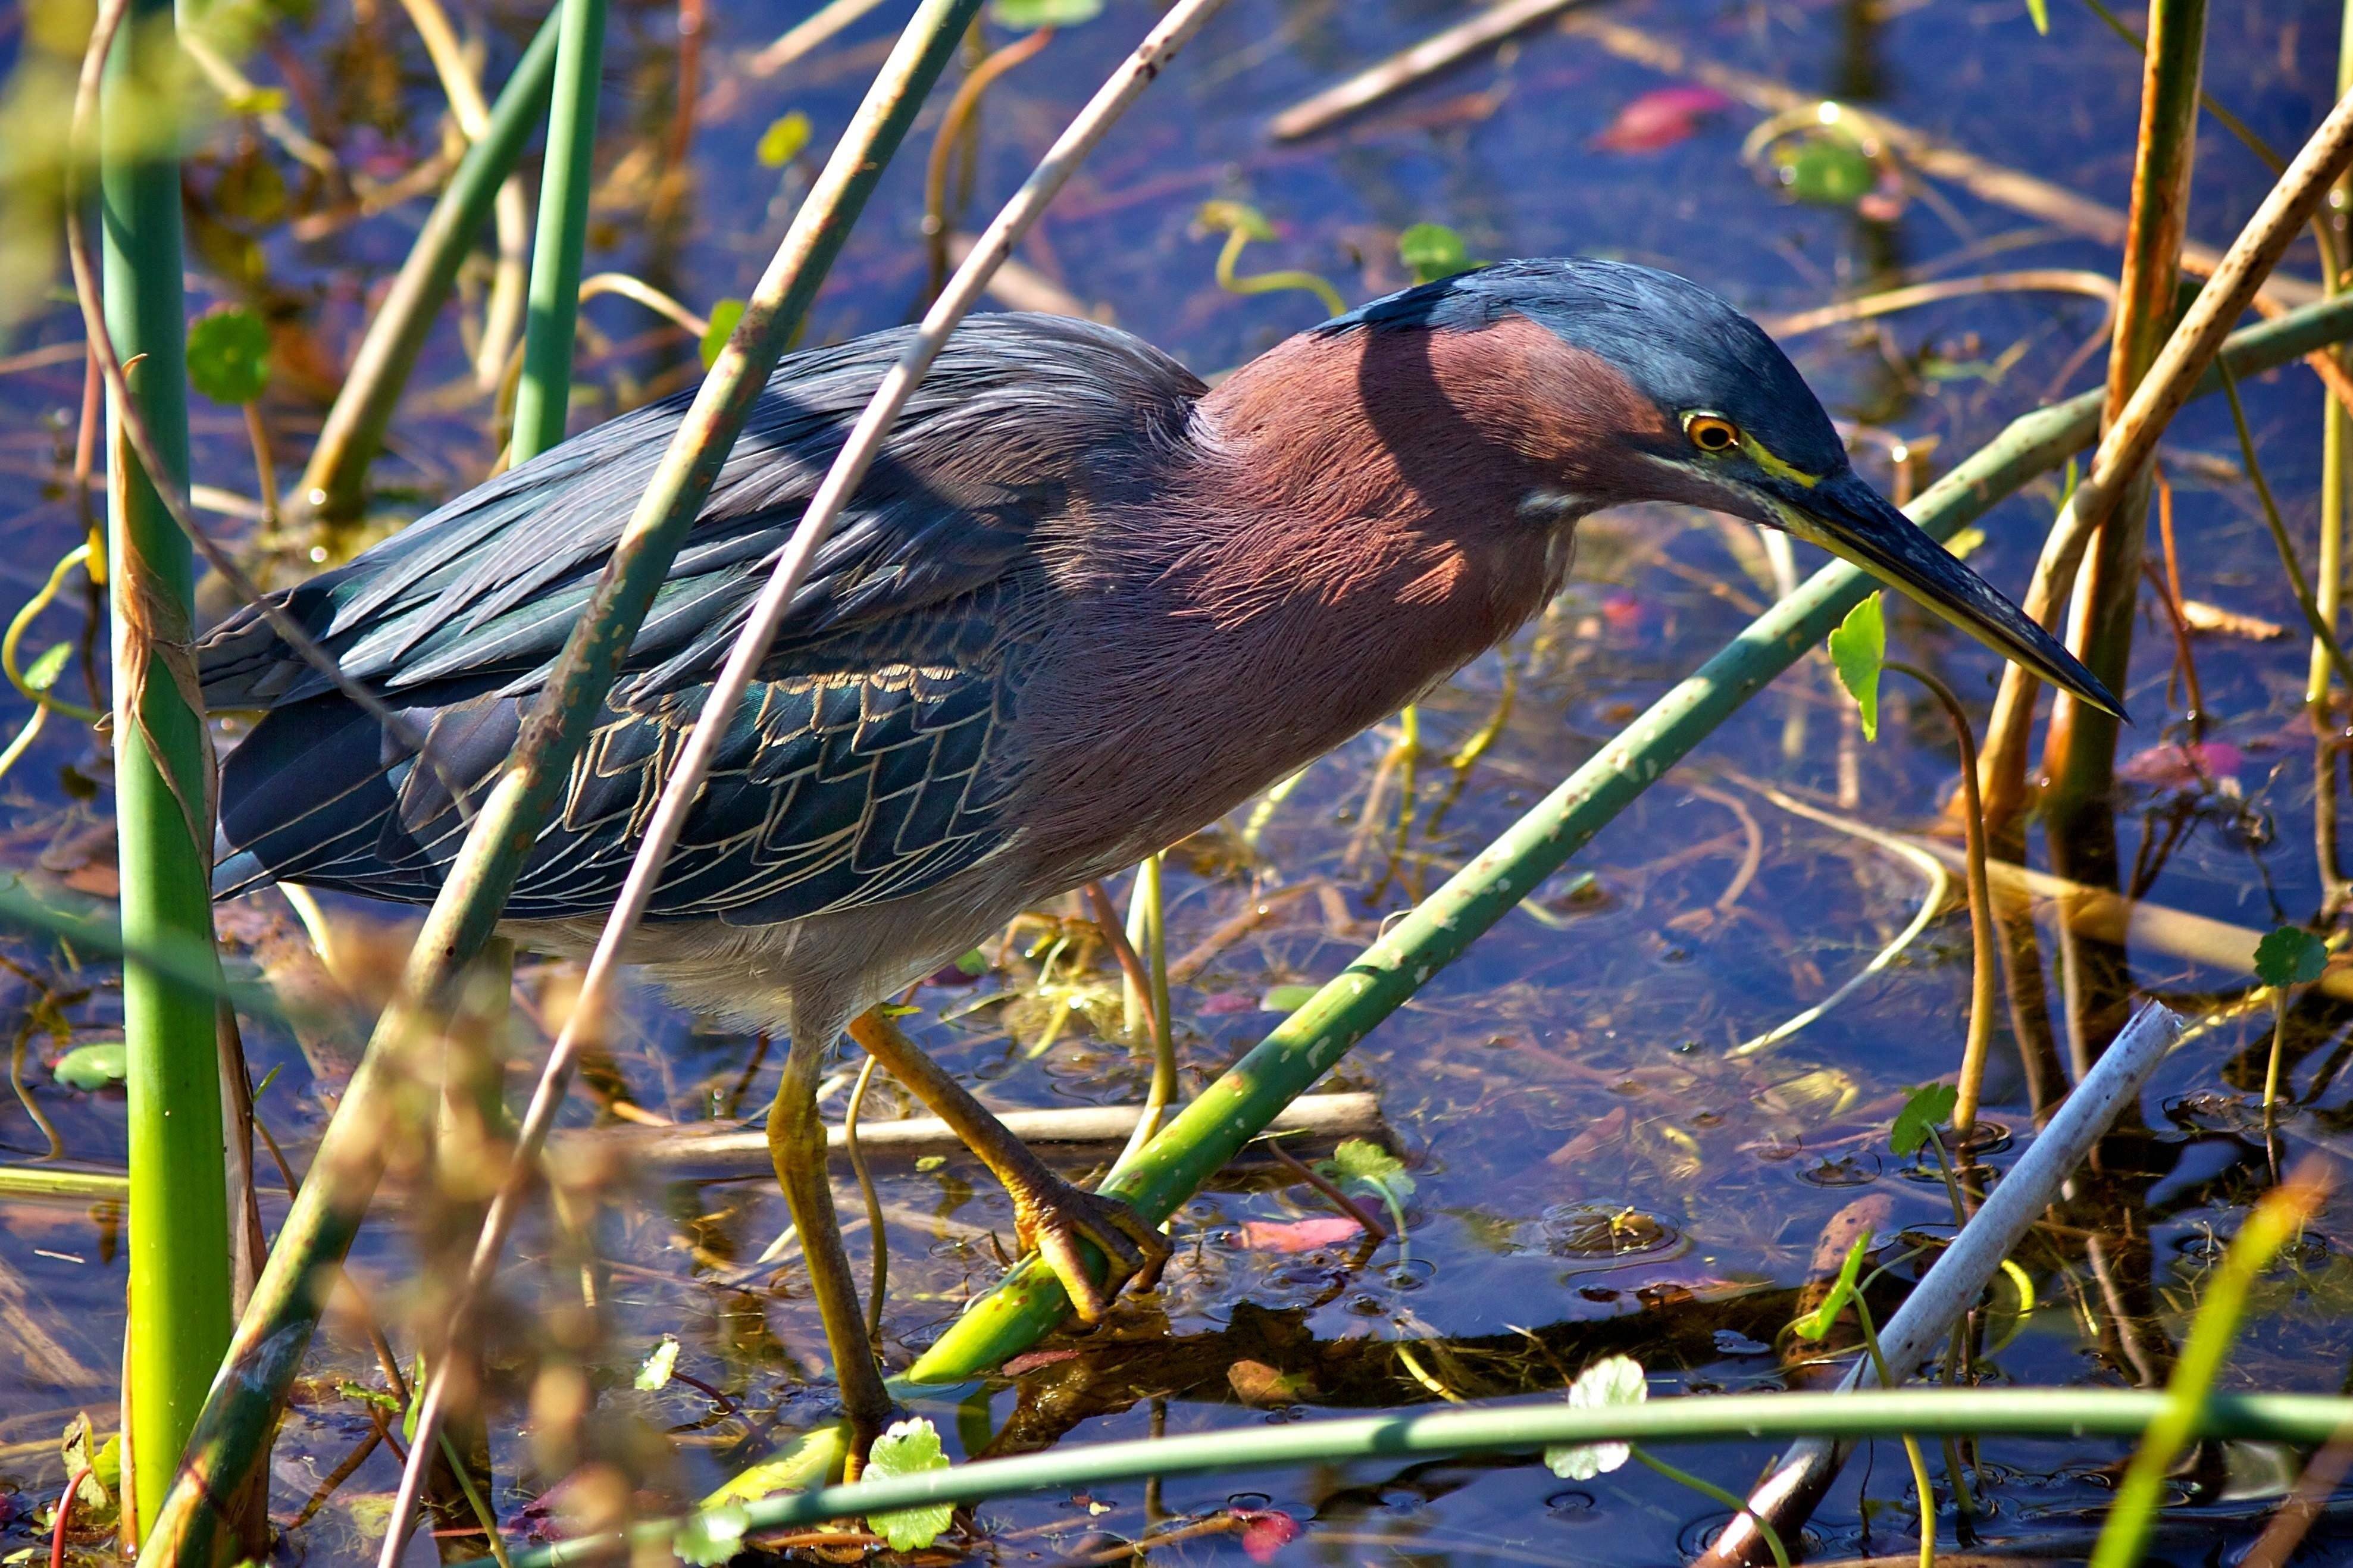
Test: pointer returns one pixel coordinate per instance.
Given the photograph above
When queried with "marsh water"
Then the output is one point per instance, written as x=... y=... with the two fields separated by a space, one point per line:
x=1594 y=1169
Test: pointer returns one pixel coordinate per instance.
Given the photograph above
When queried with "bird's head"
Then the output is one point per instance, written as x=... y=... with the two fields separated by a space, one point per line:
x=1656 y=389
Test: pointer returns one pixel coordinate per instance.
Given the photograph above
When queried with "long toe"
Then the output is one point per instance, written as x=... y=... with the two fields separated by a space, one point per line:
x=1057 y=1221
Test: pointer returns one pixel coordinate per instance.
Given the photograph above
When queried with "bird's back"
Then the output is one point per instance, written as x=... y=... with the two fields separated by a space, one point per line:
x=870 y=759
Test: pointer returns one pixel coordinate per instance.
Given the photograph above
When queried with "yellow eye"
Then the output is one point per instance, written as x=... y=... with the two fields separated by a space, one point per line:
x=1712 y=434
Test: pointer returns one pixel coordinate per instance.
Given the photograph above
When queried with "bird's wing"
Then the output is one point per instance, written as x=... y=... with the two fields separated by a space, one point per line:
x=868 y=762
x=1017 y=412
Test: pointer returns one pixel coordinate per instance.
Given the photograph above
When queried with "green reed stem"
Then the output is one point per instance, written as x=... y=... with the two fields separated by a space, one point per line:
x=179 y=1249
x=2324 y=636
x=1029 y=1302
x=232 y=1440
x=545 y=395
x=2335 y=430
x=333 y=483
x=2269 y=1227
x=2079 y=751
x=59 y=1181
x=1515 y=1427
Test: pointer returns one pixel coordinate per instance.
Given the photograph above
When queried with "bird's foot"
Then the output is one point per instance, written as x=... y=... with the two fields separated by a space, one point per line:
x=1051 y=1217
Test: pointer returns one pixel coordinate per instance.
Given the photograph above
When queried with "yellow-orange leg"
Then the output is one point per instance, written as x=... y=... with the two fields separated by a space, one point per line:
x=797 y=1146
x=1049 y=1215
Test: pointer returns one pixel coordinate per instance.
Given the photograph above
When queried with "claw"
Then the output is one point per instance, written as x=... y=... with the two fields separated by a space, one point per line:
x=1054 y=1220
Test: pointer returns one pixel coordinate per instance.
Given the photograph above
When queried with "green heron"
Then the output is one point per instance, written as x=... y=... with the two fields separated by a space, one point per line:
x=1082 y=606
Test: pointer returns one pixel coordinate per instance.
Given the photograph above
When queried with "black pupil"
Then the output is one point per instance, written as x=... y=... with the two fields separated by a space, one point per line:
x=1714 y=437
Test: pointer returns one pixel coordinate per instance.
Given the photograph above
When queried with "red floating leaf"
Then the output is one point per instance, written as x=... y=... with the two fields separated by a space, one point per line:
x=1661 y=118
x=2174 y=766
x=1299 y=1235
x=1266 y=1531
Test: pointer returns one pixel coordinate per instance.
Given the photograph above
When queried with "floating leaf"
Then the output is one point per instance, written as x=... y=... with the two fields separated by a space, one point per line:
x=711 y=1537
x=2290 y=956
x=1661 y=118
x=656 y=1371
x=1830 y=172
x=1266 y=1531
x=783 y=138
x=93 y=1066
x=974 y=962
x=1614 y=1382
x=1817 y=1323
x=724 y=316
x=909 y=1449
x=1366 y=1164
x=1299 y=1235
x=1028 y=15
x=43 y=672
x=1433 y=251
x=1286 y=998
x=1930 y=1107
x=2182 y=765
x=229 y=356
x=1858 y=649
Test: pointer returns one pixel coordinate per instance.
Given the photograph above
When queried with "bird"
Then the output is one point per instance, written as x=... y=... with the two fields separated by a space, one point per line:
x=1083 y=606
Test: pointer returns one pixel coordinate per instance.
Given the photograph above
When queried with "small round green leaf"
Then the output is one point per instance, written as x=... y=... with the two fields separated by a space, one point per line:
x=784 y=140
x=1358 y=1162
x=1930 y=1107
x=43 y=672
x=1829 y=170
x=94 y=1066
x=1859 y=647
x=725 y=315
x=1433 y=251
x=1613 y=1382
x=229 y=356
x=2290 y=956
x=909 y=1449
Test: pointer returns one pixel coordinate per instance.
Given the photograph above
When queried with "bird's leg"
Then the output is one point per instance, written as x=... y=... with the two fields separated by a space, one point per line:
x=797 y=1145
x=1049 y=1215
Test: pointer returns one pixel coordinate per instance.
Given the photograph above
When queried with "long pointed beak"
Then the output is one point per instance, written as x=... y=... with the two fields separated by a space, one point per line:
x=1851 y=519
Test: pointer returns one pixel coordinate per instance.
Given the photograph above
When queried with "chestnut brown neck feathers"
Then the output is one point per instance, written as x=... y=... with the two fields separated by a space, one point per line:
x=1341 y=497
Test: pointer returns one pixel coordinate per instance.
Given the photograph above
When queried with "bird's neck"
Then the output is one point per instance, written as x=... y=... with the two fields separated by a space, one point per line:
x=1391 y=476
